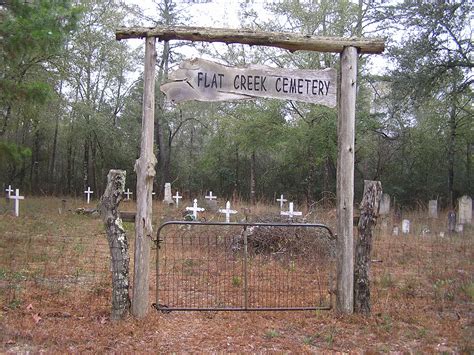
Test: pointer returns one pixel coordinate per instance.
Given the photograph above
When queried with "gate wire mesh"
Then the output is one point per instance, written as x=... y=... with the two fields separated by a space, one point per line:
x=244 y=266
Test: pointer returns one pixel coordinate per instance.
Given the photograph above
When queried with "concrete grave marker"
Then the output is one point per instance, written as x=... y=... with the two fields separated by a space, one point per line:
x=459 y=228
x=88 y=192
x=9 y=191
x=384 y=207
x=195 y=209
x=406 y=226
x=17 y=199
x=433 y=208
x=177 y=197
x=465 y=210
x=227 y=211
x=211 y=202
x=210 y=197
x=168 y=197
x=451 y=221
x=128 y=193
x=282 y=201
x=290 y=213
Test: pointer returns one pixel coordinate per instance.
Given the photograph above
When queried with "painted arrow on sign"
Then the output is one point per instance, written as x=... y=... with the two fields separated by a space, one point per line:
x=203 y=80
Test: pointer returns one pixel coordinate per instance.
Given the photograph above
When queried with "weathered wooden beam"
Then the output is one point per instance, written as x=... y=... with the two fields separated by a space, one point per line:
x=290 y=41
x=118 y=243
x=145 y=169
x=345 y=180
x=369 y=209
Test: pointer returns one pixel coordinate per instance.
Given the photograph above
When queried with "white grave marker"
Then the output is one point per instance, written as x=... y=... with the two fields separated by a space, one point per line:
x=290 y=213
x=433 y=208
x=128 y=193
x=282 y=201
x=17 y=199
x=168 y=199
x=406 y=226
x=177 y=197
x=384 y=207
x=88 y=192
x=465 y=210
x=227 y=211
x=210 y=197
x=9 y=191
x=195 y=209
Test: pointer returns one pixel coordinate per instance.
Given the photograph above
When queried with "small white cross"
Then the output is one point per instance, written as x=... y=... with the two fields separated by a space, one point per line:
x=195 y=209
x=152 y=194
x=128 y=193
x=89 y=193
x=9 y=190
x=177 y=197
x=227 y=211
x=17 y=199
x=282 y=201
x=290 y=213
x=210 y=197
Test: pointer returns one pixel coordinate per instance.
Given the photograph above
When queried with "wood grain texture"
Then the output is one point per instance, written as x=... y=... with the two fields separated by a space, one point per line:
x=118 y=243
x=369 y=208
x=204 y=80
x=145 y=169
x=345 y=181
x=290 y=41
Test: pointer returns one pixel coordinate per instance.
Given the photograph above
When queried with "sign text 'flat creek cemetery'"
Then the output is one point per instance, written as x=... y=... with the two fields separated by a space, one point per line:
x=203 y=80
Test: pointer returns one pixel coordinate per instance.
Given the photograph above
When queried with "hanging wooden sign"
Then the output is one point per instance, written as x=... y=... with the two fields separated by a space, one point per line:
x=203 y=80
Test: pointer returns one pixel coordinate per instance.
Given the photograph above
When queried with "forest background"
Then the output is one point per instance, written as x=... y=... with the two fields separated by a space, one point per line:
x=71 y=101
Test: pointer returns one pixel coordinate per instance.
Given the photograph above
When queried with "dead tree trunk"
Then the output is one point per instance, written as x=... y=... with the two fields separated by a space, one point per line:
x=369 y=209
x=118 y=243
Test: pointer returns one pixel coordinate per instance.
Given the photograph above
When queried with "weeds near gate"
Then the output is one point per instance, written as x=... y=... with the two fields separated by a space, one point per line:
x=57 y=267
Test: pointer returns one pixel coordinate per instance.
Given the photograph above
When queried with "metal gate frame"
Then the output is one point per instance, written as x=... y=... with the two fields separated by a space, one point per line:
x=167 y=309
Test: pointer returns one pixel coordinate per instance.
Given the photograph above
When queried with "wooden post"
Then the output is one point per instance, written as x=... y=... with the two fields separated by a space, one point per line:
x=369 y=208
x=118 y=243
x=345 y=180
x=145 y=169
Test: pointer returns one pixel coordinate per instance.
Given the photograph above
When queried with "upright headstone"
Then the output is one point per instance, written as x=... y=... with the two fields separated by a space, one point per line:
x=227 y=212
x=406 y=226
x=17 y=199
x=451 y=221
x=88 y=192
x=465 y=210
x=168 y=197
x=384 y=207
x=433 y=208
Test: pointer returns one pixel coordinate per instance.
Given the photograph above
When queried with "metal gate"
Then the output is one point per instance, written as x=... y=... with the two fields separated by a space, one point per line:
x=244 y=266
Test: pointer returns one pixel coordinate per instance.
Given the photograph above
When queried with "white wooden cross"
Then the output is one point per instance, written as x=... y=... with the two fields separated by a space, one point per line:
x=227 y=211
x=195 y=209
x=153 y=194
x=290 y=213
x=9 y=190
x=128 y=193
x=17 y=199
x=210 y=197
x=177 y=197
x=89 y=193
x=282 y=201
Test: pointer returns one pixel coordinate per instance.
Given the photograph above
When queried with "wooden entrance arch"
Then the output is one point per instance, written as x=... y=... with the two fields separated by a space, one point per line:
x=348 y=48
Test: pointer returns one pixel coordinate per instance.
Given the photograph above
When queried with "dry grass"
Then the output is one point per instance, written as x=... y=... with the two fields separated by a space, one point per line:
x=55 y=291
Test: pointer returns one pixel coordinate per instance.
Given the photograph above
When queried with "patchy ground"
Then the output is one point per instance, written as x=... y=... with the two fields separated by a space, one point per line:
x=55 y=294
